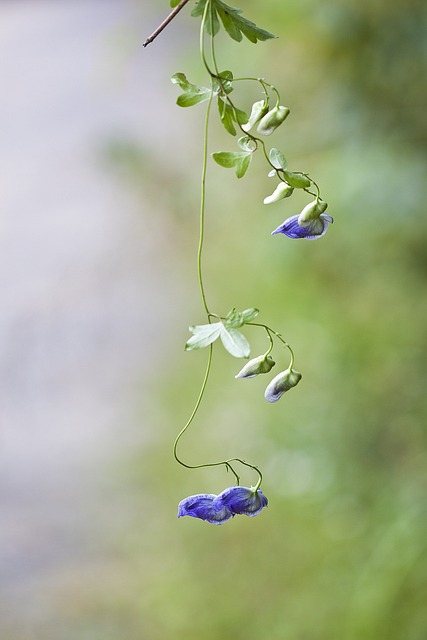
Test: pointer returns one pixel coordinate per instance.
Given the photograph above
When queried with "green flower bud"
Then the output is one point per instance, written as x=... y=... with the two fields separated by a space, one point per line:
x=261 y=364
x=282 y=383
x=283 y=190
x=272 y=120
x=259 y=109
x=311 y=212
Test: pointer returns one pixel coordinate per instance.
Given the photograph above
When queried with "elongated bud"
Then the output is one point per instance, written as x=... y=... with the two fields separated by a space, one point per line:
x=272 y=120
x=282 y=383
x=311 y=212
x=261 y=364
x=259 y=109
x=283 y=190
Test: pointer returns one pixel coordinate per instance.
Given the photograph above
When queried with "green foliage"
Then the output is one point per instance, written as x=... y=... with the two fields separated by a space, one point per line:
x=235 y=25
x=233 y=341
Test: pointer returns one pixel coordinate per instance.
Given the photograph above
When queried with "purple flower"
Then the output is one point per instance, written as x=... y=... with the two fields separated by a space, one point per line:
x=313 y=230
x=218 y=509
x=243 y=501
x=206 y=507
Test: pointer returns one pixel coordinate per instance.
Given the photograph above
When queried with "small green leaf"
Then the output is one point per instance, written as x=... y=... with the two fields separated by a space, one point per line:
x=243 y=165
x=235 y=343
x=277 y=159
x=192 y=93
x=297 y=180
x=203 y=335
x=181 y=80
x=190 y=99
x=174 y=3
x=238 y=159
x=226 y=116
x=227 y=159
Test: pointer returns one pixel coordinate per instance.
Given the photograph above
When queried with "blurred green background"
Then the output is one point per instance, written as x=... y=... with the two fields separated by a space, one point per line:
x=341 y=551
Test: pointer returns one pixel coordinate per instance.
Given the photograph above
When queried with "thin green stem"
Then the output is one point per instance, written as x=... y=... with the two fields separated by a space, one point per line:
x=202 y=39
x=203 y=207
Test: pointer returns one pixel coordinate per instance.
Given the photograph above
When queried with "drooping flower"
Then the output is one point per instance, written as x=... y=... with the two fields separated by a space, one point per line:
x=314 y=229
x=218 y=509
x=311 y=223
x=206 y=507
x=282 y=383
x=243 y=501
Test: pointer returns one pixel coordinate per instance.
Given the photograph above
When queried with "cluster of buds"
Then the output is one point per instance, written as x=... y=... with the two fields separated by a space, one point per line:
x=279 y=385
x=267 y=120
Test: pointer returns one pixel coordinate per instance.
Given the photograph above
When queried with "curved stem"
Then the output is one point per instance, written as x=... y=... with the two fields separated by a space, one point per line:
x=226 y=463
x=270 y=331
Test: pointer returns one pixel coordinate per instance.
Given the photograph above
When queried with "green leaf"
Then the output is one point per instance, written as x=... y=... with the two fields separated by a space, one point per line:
x=203 y=335
x=181 y=80
x=235 y=343
x=297 y=180
x=236 y=25
x=226 y=116
x=229 y=115
x=199 y=8
x=174 y=3
x=238 y=159
x=192 y=93
x=277 y=159
x=243 y=165
x=230 y=26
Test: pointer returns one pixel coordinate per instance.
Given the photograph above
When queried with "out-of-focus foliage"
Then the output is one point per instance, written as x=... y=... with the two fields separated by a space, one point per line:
x=341 y=550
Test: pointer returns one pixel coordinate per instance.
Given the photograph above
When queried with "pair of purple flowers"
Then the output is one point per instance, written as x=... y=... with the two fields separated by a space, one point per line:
x=218 y=509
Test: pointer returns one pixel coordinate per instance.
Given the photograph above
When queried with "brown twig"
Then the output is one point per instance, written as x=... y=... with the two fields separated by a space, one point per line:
x=165 y=22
